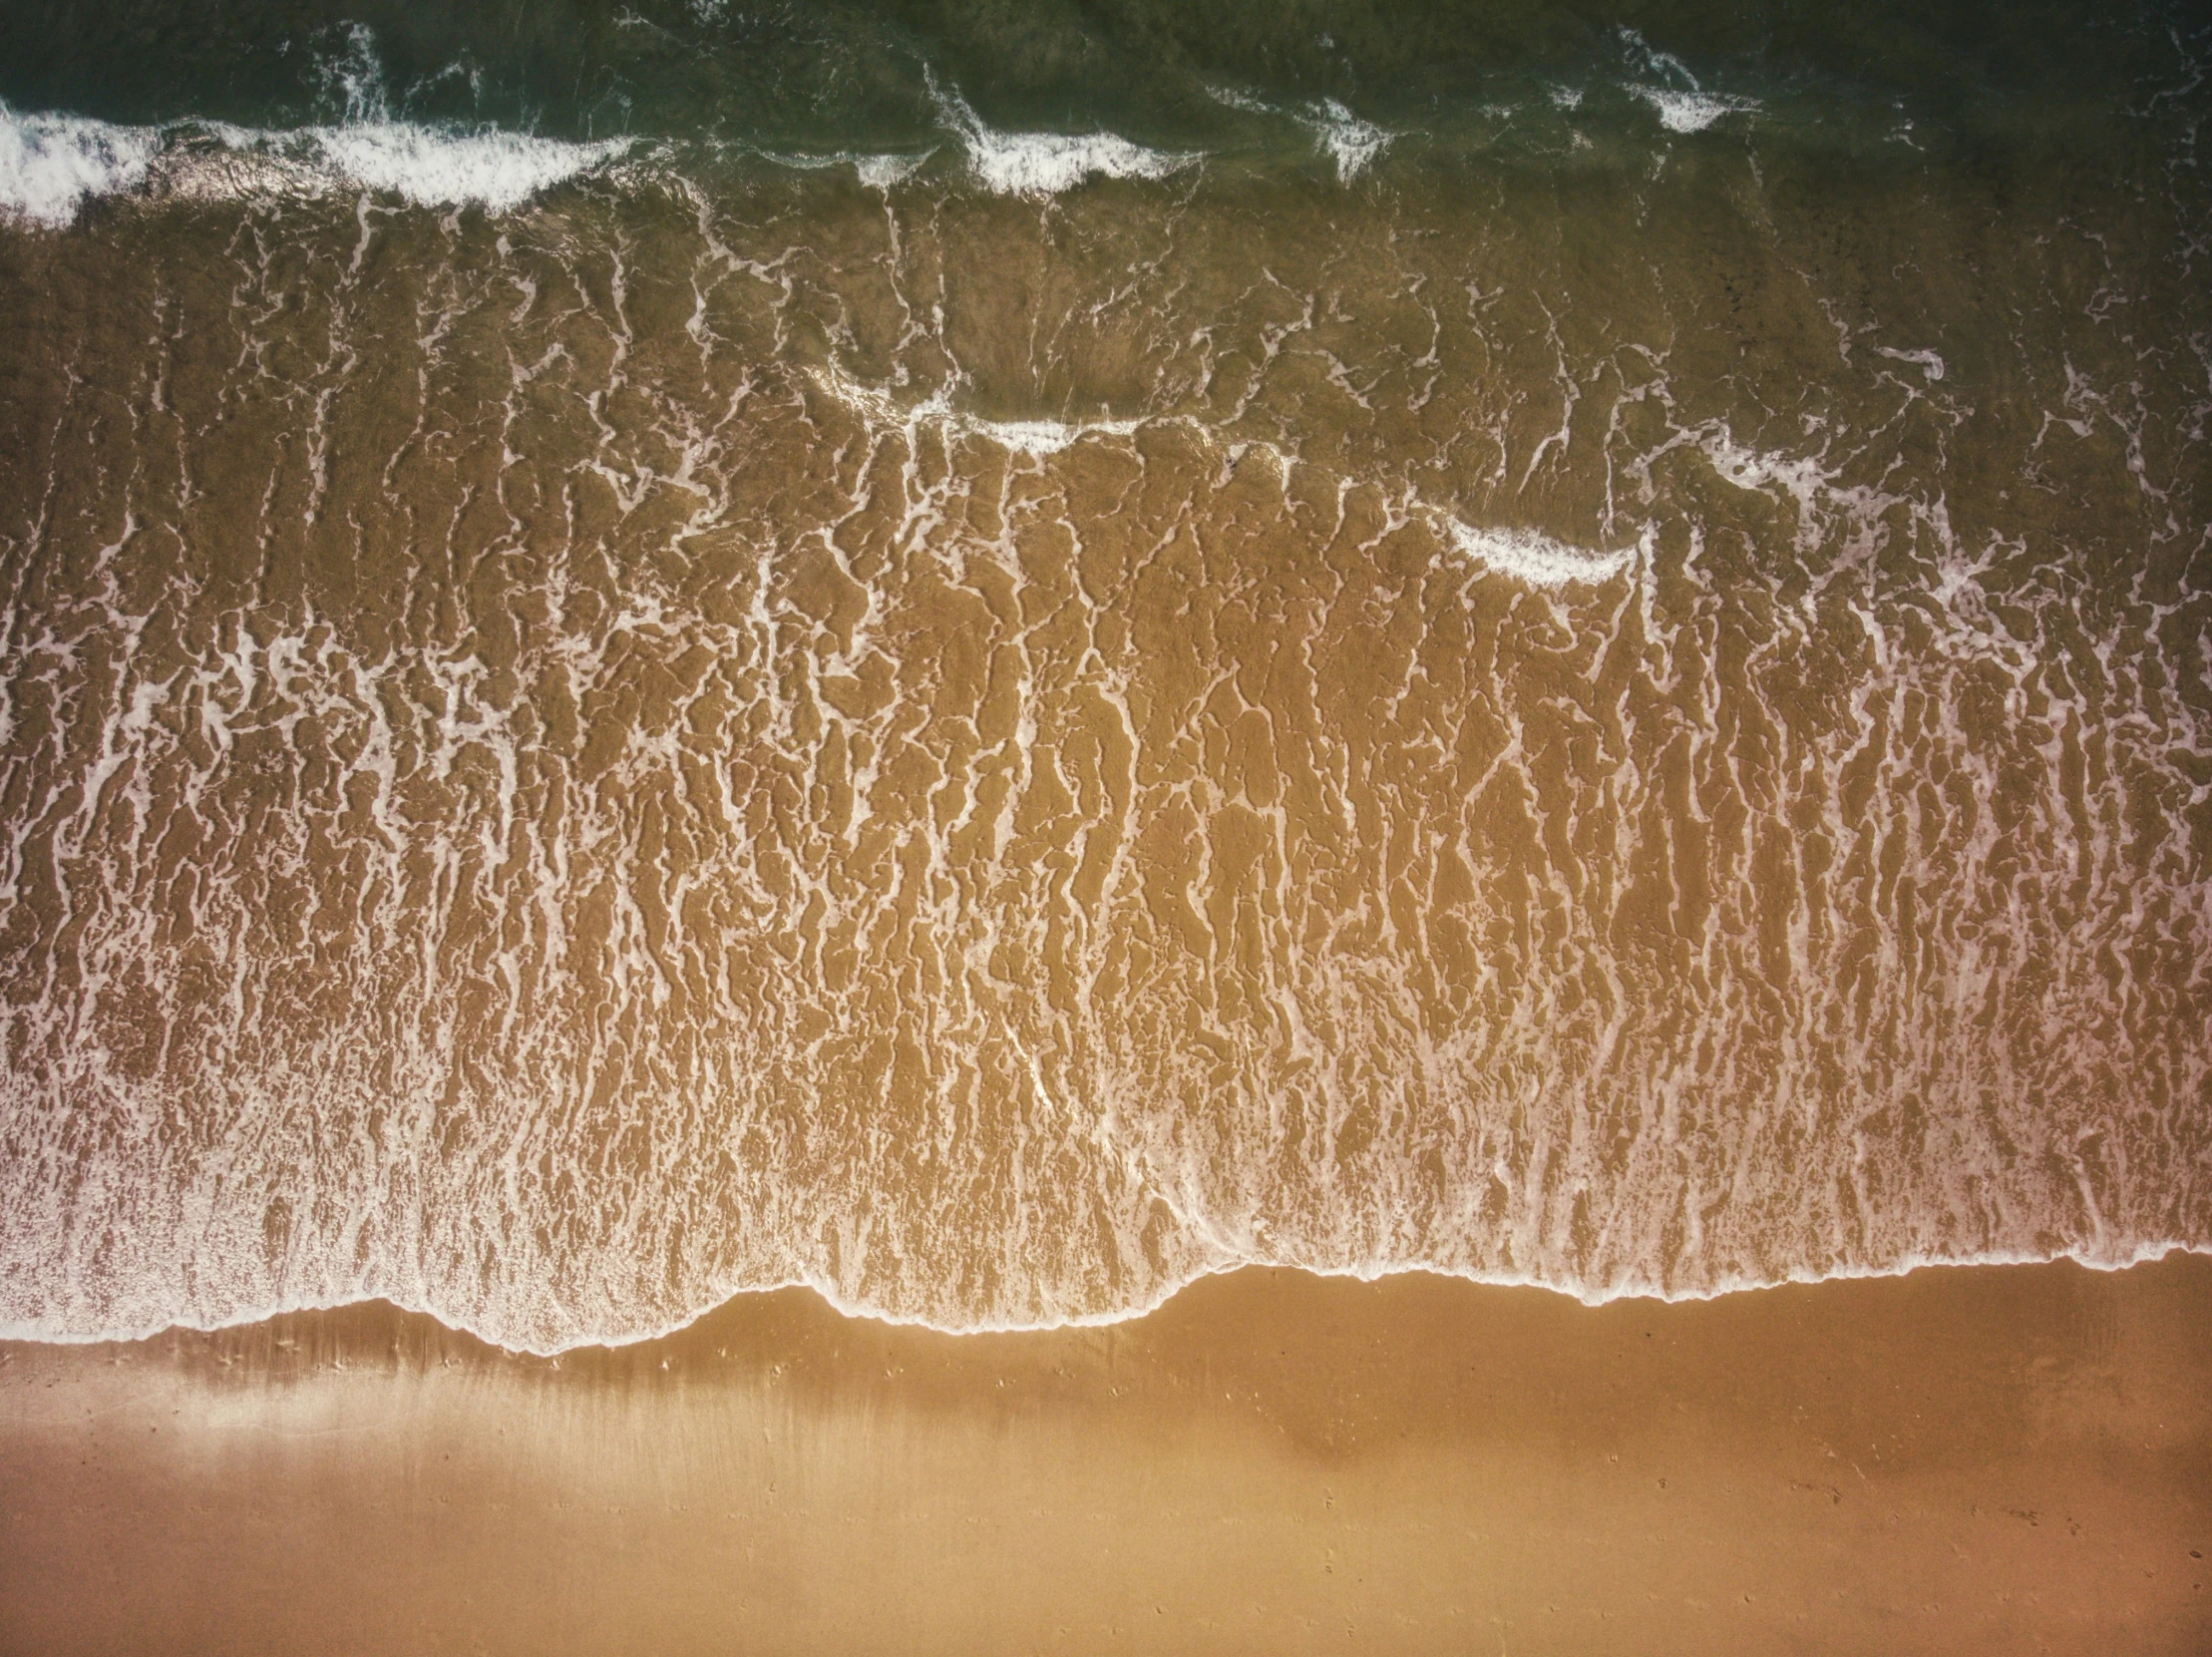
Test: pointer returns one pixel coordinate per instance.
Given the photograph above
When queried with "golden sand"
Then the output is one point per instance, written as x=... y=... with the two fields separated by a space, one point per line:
x=1998 y=1460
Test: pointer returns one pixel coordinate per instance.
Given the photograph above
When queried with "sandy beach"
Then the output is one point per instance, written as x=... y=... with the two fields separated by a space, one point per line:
x=977 y=702
x=1979 y=1459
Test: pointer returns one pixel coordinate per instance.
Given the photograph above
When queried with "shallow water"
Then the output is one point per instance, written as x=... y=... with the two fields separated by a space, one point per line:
x=993 y=665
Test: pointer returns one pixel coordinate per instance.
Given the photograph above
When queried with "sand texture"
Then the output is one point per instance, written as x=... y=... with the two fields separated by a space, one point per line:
x=2000 y=1460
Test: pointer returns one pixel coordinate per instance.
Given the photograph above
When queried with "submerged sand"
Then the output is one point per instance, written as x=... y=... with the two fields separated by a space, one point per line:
x=1994 y=1459
x=995 y=758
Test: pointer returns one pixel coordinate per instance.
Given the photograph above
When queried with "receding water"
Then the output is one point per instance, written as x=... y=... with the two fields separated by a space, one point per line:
x=991 y=657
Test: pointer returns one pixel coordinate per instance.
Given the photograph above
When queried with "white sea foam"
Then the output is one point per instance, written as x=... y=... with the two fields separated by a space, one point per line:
x=1928 y=362
x=882 y=171
x=1029 y=437
x=1693 y=111
x=372 y=148
x=51 y=164
x=1523 y=554
x=1168 y=1289
x=1682 y=102
x=1045 y=163
x=1040 y=437
x=1351 y=142
x=875 y=170
x=495 y=169
x=1341 y=135
x=1537 y=558
x=1236 y=99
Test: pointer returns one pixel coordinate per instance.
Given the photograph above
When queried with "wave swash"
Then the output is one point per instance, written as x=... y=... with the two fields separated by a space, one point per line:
x=1599 y=674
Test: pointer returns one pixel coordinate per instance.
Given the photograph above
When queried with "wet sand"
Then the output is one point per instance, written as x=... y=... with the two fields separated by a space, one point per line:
x=2000 y=1460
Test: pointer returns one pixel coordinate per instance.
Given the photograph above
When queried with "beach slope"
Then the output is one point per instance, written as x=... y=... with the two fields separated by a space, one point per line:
x=1972 y=1459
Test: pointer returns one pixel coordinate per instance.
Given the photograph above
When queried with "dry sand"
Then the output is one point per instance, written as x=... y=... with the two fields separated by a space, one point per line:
x=2003 y=1460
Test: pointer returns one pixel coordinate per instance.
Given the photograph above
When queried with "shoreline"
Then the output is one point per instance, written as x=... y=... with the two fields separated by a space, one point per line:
x=2147 y=1254
x=1955 y=1459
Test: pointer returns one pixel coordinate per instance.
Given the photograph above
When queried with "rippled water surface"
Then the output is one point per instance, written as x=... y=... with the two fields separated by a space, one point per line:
x=995 y=663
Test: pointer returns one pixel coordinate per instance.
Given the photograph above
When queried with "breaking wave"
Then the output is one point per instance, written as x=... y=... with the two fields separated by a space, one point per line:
x=52 y=166
x=1048 y=164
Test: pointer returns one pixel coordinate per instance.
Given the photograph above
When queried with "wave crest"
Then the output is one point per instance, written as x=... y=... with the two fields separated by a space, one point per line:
x=1045 y=163
x=1348 y=142
x=52 y=164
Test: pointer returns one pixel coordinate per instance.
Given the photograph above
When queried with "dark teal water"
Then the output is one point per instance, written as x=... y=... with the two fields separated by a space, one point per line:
x=862 y=76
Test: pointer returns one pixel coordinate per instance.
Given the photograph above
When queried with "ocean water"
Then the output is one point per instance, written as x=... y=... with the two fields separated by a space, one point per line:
x=991 y=656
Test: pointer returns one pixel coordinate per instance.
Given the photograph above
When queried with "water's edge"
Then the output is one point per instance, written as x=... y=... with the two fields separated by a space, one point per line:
x=2144 y=1255
x=1588 y=674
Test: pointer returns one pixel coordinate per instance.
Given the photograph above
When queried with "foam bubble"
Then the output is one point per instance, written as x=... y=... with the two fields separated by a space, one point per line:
x=51 y=164
x=1236 y=99
x=1928 y=362
x=1341 y=135
x=882 y=171
x=1041 y=436
x=1028 y=437
x=1351 y=142
x=1536 y=559
x=495 y=169
x=1045 y=163
x=1679 y=97
x=1693 y=111
x=428 y=165
x=875 y=170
